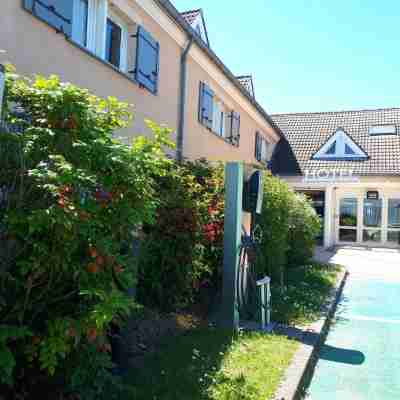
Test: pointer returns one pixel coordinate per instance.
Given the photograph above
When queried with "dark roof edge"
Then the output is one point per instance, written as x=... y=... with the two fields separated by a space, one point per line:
x=336 y=112
x=205 y=26
x=363 y=174
x=174 y=13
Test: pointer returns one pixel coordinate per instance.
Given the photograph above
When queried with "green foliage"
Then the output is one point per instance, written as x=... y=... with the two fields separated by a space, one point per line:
x=289 y=226
x=9 y=334
x=182 y=250
x=305 y=225
x=75 y=200
x=213 y=364
x=275 y=224
x=305 y=295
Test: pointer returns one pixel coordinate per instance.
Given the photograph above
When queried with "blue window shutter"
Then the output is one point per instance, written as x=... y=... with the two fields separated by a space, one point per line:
x=206 y=105
x=235 y=128
x=56 y=13
x=201 y=97
x=258 y=146
x=147 y=60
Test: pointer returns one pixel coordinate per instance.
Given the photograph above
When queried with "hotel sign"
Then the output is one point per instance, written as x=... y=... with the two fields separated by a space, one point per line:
x=334 y=175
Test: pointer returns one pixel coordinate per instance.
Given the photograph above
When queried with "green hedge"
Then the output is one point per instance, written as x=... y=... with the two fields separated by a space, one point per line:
x=305 y=226
x=289 y=228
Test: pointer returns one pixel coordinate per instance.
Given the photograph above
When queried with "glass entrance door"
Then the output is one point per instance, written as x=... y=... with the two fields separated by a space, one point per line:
x=368 y=222
x=348 y=220
x=372 y=221
x=393 y=232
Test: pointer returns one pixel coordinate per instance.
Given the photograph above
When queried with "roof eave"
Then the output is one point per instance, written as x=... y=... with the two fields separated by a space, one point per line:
x=174 y=13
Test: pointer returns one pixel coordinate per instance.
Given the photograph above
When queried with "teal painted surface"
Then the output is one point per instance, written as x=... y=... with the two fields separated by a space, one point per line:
x=229 y=317
x=361 y=358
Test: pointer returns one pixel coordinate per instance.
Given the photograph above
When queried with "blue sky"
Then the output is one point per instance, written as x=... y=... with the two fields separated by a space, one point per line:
x=314 y=55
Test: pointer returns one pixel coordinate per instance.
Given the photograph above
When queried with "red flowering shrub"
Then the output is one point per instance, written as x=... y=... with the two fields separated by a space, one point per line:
x=182 y=251
x=71 y=198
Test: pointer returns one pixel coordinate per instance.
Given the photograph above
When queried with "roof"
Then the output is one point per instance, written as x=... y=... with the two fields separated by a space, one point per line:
x=169 y=8
x=247 y=82
x=306 y=133
x=191 y=16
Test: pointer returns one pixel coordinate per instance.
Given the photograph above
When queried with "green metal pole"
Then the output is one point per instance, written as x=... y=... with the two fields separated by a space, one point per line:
x=232 y=238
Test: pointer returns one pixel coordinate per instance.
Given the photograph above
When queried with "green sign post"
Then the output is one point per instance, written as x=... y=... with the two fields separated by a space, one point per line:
x=229 y=317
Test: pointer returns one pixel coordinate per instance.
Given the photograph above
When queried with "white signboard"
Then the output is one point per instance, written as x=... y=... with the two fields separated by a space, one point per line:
x=335 y=175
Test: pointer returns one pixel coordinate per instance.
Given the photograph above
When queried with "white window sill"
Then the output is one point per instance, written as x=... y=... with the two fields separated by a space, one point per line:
x=128 y=76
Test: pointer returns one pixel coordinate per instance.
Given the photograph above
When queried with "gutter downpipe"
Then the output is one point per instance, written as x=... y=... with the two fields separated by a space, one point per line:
x=182 y=100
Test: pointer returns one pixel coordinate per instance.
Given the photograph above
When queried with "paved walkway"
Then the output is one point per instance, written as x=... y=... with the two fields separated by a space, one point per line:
x=361 y=358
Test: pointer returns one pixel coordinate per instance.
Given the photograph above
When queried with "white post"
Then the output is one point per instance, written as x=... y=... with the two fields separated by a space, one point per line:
x=329 y=218
x=263 y=305
x=2 y=86
x=265 y=287
x=269 y=302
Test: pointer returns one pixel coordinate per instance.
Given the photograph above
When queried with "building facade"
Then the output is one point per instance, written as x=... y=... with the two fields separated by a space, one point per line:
x=348 y=163
x=146 y=53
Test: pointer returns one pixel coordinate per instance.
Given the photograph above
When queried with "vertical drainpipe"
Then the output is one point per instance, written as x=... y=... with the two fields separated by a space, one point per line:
x=182 y=101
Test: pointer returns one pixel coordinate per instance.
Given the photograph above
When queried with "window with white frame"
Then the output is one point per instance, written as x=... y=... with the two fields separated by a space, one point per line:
x=340 y=147
x=105 y=31
x=381 y=130
x=262 y=149
x=216 y=116
x=219 y=116
x=116 y=46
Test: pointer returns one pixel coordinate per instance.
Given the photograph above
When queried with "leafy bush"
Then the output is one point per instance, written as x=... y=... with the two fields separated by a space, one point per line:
x=305 y=226
x=289 y=225
x=275 y=224
x=71 y=200
x=182 y=251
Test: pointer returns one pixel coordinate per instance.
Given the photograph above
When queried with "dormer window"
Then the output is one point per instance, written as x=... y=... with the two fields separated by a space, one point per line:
x=380 y=130
x=340 y=147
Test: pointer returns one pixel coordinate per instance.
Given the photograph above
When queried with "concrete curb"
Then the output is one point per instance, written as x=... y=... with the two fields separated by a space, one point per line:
x=312 y=337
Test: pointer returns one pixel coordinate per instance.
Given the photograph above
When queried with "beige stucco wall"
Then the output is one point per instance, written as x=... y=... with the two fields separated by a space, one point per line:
x=199 y=141
x=34 y=47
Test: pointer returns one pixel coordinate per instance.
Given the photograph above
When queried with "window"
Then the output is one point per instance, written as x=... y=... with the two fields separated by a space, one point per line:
x=373 y=213
x=262 y=152
x=113 y=43
x=394 y=213
x=332 y=149
x=106 y=32
x=340 y=147
x=393 y=234
x=379 y=130
x=348 y=210
x=218 y=118
x=116 y=40
x=214 y=115
x=348 y=150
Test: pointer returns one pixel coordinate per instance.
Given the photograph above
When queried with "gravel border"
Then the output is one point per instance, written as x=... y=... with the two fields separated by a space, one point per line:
x=312 y=338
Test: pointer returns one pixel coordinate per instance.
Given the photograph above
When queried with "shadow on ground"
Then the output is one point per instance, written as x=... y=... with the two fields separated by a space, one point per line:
x=326 y=352
x=169 y=375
